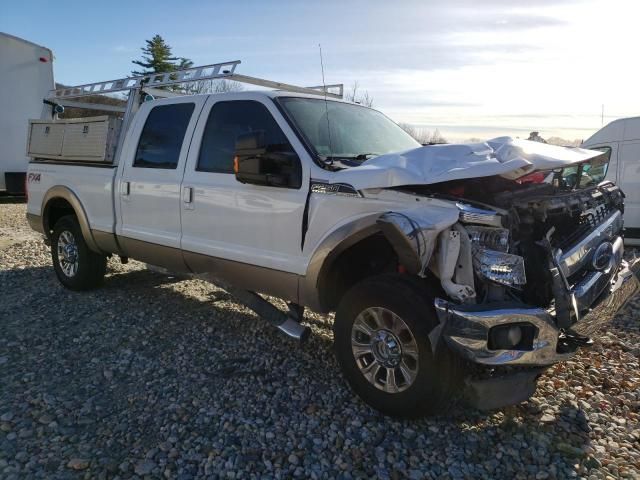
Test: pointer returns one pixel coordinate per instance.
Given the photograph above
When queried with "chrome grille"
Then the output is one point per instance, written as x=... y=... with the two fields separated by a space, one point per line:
x=574 y=259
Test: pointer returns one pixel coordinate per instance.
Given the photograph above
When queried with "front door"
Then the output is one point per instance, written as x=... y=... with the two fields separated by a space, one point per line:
x=225 y=220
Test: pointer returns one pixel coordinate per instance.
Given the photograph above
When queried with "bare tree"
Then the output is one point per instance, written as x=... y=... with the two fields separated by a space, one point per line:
x=219 y=86
x=421 y=135
x=564 y=142
x=211 y=86
x=356 y=96
x=437 y=138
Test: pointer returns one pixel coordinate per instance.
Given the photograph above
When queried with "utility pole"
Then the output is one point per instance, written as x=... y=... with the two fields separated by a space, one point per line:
x=602 y=116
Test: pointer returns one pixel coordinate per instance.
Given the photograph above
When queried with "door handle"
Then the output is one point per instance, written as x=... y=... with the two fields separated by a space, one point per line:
x=125 y=188
x=187 y=195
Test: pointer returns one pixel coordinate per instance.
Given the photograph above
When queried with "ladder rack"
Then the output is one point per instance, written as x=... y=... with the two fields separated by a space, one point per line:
x=224 y=70
x=138 y=87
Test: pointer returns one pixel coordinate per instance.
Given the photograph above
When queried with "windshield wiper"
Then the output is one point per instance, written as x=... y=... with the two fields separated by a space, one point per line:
x=361 y=156
x=344 y=161
x=366 y=156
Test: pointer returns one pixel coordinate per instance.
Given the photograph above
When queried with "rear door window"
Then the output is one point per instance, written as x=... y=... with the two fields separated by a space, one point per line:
x=162 y=136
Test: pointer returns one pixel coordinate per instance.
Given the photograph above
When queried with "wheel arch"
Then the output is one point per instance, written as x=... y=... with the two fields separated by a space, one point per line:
x=318 y=289
x=60 y=201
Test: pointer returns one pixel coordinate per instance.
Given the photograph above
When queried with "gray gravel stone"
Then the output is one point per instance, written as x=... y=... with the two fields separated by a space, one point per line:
x=78 y=463
x=6 y=417
x=144 y=467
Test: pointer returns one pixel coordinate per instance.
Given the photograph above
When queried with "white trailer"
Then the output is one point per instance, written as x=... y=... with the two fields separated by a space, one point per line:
x=621 y=140
x=26 y=70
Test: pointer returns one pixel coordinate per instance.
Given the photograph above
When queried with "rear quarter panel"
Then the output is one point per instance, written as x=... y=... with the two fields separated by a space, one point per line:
x=92 y=185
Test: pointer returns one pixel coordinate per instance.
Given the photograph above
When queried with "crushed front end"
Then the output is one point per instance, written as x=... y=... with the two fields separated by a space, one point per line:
x=547 y=272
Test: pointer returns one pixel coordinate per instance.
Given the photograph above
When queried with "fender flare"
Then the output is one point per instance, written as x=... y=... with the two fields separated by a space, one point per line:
x=413 y=242
x=65 y=193
x=326 y=252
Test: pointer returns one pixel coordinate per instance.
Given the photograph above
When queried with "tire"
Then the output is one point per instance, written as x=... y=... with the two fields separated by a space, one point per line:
x=422 y=383
x=68 y=244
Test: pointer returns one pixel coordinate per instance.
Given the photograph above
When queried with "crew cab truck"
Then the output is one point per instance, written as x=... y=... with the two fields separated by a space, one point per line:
x=449 y=274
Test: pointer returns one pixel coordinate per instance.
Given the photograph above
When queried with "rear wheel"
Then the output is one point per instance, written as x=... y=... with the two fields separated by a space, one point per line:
x=76 y=266
x=382 y=344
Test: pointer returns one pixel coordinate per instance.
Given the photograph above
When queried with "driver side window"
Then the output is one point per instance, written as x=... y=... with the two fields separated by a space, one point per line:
x=226 y=122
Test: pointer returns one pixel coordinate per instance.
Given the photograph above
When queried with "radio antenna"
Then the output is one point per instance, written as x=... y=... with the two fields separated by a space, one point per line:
x=326 y=105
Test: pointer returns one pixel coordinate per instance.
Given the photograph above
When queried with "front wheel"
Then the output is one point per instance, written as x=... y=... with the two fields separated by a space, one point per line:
x=76 y=266
x=381 y=336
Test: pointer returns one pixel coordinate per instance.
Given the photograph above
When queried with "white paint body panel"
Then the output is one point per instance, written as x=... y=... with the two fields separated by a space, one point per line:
x=623 y=137
x=25 y=82
x=93 y=186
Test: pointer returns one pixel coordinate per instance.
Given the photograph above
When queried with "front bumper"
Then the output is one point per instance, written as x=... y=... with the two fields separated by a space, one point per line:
x=465 y=328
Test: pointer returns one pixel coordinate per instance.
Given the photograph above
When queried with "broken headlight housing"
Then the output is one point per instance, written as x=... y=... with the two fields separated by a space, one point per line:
x=499 y=267
x=491 y=260
x=490 y=247
x=487 y=237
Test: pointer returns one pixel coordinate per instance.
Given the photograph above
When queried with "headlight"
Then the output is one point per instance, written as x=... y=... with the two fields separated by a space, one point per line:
x=490 y=238
x=499 y=267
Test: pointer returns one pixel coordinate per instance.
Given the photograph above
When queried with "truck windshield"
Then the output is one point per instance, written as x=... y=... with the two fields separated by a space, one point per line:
x=344 y=130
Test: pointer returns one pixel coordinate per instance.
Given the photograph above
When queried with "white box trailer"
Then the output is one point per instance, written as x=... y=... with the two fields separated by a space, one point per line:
x=26 y=70
x=621 y=139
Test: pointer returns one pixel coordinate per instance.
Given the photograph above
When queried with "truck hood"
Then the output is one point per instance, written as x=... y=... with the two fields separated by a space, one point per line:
x=505 y=156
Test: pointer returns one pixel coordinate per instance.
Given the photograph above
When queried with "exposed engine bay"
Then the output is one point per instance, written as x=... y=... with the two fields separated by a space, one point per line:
x=540 y=219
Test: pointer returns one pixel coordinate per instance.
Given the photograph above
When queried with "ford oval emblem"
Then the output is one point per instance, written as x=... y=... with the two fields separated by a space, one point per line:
x=602 y=256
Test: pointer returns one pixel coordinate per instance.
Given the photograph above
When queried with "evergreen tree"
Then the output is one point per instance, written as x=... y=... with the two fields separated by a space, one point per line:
x=157 y=57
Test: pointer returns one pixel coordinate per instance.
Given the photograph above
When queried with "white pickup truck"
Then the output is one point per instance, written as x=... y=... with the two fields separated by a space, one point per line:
x=454 y=270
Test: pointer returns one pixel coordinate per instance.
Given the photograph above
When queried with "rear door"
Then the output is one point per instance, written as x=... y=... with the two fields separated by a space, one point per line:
x=225 y=219
x=149 y=187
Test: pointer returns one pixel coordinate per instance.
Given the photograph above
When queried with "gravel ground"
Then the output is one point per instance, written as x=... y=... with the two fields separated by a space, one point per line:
x=155 y=376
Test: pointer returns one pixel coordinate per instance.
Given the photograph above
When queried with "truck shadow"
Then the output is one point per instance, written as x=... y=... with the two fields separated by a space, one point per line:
x=149 y=357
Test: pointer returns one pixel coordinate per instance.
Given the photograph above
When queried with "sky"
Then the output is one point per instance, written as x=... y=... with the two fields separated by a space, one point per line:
x=471 y=68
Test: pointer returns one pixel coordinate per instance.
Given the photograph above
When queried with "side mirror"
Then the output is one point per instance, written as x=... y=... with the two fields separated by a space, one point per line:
x=260 y=164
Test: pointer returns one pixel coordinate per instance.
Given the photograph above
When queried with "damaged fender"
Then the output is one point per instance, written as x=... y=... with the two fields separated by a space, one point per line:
x=413 y=234
x=446 y=261
x=416 y=234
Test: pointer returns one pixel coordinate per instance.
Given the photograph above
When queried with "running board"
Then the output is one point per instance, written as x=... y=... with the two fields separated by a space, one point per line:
x=289 y=323
x=285 y=323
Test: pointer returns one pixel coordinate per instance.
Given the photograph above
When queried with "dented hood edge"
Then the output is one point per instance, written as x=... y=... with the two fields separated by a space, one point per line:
x=505 y=156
